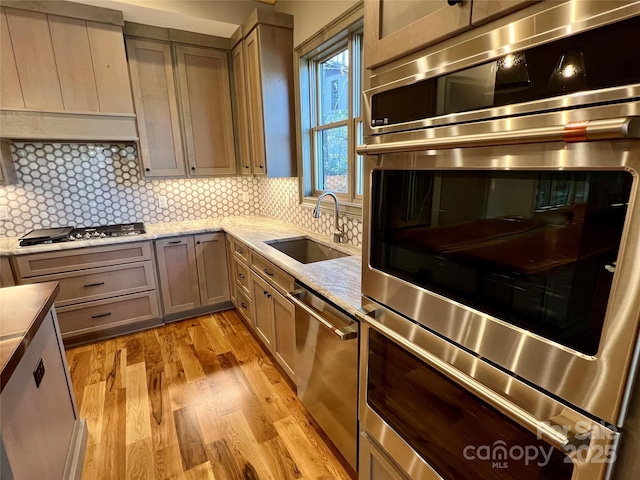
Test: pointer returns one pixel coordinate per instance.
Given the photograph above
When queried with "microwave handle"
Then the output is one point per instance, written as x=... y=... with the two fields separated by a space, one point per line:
x=607 y=129
x=558 y=431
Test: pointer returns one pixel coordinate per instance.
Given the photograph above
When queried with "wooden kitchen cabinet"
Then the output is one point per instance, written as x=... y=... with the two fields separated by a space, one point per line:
x=205 y=100
x=154 y=94
x=103 y=290
x=231 y=270
x=274 y=315
x=263 y=81
x=193 y=273
x=263 y=310
x=394 y=28
x=242 y=109
x=486 y=10
x=211 y=260
x=183 y=106
x=178 y=274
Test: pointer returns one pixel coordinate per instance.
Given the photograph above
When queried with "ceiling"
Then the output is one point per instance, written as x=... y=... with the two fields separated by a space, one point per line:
x=212 y=17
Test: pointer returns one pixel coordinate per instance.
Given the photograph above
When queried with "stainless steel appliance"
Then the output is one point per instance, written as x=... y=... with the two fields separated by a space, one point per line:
x=326 y=368
x=502 y=217
x=70 y=234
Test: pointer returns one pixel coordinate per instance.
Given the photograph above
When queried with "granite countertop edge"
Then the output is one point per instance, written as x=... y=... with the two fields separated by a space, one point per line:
x=338 y=280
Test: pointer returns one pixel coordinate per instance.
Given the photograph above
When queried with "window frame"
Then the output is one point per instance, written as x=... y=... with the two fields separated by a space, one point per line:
x=344 y=32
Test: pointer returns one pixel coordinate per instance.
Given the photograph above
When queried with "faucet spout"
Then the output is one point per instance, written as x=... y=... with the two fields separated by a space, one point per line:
x=338 y=234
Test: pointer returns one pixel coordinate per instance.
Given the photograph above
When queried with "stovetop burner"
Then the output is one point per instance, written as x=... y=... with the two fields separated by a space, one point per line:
x=68 y=234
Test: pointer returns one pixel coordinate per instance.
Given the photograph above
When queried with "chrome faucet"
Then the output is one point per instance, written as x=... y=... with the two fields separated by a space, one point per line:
x=339 y=235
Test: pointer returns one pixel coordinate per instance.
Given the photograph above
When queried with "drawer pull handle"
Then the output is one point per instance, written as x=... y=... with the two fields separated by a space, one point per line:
x=241 y=275
x=243 y=305
x=175 y=242
x=94 y=285
x=240 y=251
x=101 y=315
x=268 y=272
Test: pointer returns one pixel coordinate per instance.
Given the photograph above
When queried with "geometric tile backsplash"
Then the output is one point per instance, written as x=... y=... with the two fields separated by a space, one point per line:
x=61 y=184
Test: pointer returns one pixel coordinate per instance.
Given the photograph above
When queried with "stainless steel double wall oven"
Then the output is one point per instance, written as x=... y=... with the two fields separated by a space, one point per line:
x=501 y=255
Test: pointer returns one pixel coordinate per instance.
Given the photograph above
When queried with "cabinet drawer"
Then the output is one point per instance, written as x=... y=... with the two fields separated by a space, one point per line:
x=241 y=251
x=99 y=283
x=245 y=307
x=277 y=277
x=95 y=316
x=242 y=276
x=77 y=259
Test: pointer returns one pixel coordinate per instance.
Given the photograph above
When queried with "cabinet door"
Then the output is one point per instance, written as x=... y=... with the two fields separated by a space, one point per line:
x=242 y=113
x=231 y=270
x=178 y=274
x=284 y=315
x=486 y=10
x=269 y=62
x=254 y=95
x=263 y=310
x=396 y=27
x=205 y=100
x=10 y=91
x=154 y=96
x=35 y=60
x=213 y=276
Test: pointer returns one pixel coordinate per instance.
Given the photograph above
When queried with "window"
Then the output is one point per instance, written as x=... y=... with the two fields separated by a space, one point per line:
x=330 y=82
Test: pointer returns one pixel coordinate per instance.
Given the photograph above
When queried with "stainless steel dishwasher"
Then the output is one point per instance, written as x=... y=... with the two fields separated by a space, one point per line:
x=326 y=368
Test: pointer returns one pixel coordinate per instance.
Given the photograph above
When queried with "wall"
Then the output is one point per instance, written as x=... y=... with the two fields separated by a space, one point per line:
x=312 y=15
x=90 y=184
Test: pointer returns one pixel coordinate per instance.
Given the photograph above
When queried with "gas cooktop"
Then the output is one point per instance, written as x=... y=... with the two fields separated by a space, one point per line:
x=69 y=234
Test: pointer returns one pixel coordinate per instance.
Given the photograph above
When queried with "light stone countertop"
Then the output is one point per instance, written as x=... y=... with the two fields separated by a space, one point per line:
x=338 y=280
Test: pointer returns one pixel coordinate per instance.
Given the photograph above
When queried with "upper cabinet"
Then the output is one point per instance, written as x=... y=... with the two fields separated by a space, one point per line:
x=58 y=70
x=394 y=28
x=263 y=80
x=154 y=94
x=205 y=99
x=182 y=99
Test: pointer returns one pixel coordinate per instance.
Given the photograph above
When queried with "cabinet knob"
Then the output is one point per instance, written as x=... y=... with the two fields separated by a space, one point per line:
x=454 y=2
x=198 y=242
x=193 y=168
x=147 y=169
x=261 y=166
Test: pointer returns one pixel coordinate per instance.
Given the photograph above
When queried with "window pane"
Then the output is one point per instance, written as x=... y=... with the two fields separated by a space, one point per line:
x=333 y=85
x=332 y=156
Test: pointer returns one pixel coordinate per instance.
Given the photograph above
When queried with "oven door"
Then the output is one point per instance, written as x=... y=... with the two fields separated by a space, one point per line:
x=516 y=244
x=430 y=410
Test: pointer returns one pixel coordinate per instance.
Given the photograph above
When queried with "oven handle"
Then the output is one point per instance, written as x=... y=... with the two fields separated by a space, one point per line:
x=608 y=129
x=561 y=437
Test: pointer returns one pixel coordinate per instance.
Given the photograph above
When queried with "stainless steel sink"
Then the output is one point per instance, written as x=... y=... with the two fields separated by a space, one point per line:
x=305 y=250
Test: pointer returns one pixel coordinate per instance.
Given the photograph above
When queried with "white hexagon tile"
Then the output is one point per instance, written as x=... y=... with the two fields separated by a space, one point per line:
x=92 y=184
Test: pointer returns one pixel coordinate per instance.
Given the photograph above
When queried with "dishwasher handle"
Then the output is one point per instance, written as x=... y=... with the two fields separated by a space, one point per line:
x=348 y=333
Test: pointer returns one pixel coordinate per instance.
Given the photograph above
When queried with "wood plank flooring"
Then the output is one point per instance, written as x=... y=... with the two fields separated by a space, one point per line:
x=196 y=399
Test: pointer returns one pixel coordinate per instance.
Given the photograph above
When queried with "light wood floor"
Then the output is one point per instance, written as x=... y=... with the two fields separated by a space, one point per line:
x=197 y=399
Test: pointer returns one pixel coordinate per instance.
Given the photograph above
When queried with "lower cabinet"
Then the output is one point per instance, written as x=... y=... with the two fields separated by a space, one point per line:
x=274 y=321
x=193 y=272
x=104 y=291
